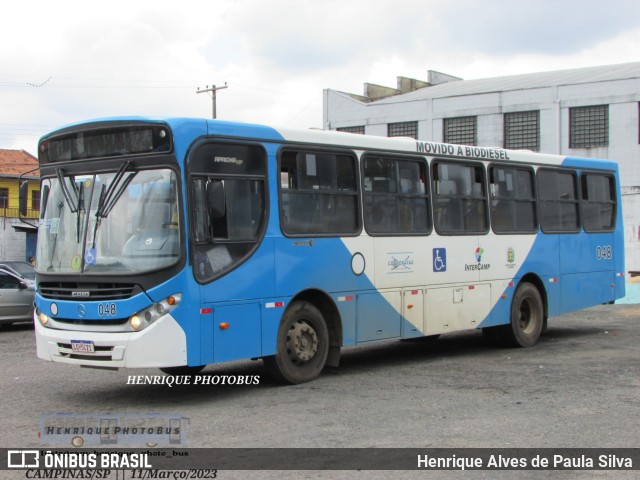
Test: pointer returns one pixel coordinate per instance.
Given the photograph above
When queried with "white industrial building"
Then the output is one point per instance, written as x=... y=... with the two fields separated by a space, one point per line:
x=591 y=112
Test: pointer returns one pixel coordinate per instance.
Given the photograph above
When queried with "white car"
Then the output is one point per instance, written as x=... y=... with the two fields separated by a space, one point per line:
x=16 y=297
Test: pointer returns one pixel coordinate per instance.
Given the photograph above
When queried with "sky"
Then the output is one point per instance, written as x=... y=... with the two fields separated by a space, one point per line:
x=67 y=61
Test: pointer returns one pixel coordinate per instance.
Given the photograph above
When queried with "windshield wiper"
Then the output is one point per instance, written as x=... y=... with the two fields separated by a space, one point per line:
x=79 y=208
x=73 y=205
x=110 y=195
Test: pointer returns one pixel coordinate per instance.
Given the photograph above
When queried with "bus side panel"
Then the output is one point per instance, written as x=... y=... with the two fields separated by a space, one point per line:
x=236 y=331
x=347 y=308
x=375 y=319
x=326 y=264
x=616 y=239
x=320 y=263
x=216 y=306
x=541 y=260
x=587 y=270
x=501 y=311
x=544 y=262
x=582 y=290
x=253 y=279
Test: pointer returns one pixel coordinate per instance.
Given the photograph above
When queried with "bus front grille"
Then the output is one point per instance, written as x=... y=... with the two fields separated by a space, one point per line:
x=88 y=291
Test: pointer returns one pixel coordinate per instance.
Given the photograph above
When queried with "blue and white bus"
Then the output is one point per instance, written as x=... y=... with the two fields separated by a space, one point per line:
x=179 y=243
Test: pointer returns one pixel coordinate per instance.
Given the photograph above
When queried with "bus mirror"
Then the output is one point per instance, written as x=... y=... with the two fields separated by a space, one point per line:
x=216 y=199
x=22 y=198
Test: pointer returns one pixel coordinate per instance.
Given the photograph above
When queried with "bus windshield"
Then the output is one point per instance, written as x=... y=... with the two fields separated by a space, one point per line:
x=123 y=222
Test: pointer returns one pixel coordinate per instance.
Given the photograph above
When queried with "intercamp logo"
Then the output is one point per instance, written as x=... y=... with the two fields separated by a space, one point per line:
x=23 y=459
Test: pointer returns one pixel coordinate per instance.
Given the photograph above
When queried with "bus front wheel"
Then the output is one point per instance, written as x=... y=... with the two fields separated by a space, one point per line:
x=302 y=345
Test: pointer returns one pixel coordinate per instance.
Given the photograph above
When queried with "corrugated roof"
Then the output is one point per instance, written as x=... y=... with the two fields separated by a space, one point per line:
x=574 y=76
x=16 y=162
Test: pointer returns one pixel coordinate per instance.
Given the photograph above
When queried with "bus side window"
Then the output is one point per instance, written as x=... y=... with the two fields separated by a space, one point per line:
x=460 y=198
x=318 y=193
x=598 y=202
x=229 y=205
x=558 y=197
x=513 y=202
x=396 y=200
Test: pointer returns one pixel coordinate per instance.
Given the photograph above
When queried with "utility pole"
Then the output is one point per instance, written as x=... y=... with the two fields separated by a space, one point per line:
x=212 y=90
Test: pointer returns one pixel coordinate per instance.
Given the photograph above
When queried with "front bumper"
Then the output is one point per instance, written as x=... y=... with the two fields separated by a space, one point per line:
x=162 y=344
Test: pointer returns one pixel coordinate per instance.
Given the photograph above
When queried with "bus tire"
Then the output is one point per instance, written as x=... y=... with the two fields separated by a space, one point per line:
x=302 y=345
x=527 y=318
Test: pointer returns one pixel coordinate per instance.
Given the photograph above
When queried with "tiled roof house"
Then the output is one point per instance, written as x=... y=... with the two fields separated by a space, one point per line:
x=14 y=163
x=18 y=240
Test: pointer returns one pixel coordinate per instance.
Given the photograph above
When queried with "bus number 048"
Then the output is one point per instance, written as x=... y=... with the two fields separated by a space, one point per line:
x=107 y=309
x=604 y=252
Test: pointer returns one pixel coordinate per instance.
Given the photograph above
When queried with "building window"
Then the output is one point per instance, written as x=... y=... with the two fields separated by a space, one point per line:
x=403 y=129
x=589 y=126
x=461 y=130
x=396 y=199
x=35 y=200
x=522 y=130
x=359 y=129
x=4 y=198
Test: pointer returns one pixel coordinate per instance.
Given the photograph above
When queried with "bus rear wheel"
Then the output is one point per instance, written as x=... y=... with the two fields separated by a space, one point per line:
x=302 y=345
x=527 y=318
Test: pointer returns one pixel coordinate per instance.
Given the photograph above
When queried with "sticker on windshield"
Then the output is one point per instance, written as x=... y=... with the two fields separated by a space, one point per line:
x=51 y=224
x=90 y=256
x=76 y=262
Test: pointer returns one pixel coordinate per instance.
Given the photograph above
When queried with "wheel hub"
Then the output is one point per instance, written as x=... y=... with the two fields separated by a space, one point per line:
x=526 y=323
x=302 y=342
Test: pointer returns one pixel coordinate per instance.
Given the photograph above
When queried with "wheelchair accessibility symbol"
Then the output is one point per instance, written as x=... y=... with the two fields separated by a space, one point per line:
x=439 y=259
x=90 y=256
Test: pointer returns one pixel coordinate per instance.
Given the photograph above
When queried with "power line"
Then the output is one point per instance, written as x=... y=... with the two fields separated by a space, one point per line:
x=40 y=84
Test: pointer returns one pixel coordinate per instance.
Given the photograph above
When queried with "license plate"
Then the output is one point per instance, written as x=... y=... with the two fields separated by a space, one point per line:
x=84 y=346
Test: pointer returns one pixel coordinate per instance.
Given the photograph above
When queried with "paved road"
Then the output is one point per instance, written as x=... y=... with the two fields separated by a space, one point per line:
x=579 y=387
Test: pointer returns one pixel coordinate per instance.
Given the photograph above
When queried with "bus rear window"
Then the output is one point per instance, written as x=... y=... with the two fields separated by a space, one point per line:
x=106 y=142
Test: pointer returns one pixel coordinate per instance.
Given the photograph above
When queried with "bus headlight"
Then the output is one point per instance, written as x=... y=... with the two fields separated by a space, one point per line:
x=135 y=322
x=142 y=319
x=44 y=318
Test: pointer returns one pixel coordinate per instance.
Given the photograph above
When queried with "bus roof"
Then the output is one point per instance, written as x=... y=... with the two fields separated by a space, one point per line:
x=337 y=139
